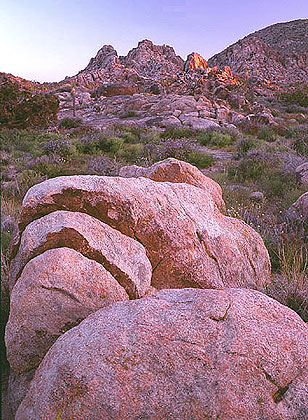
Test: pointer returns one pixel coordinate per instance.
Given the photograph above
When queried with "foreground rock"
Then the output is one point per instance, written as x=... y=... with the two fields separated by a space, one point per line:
x=55 y=291
x=174 y=170
x=180 y=354
x=123 y=257
x=188 y=241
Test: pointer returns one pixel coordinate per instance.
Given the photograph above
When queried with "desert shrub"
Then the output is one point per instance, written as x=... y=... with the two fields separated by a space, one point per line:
x=103 y=165
x=297 y=96
x=246 y=170
x=130 y=152
x=131 y=134
x=178 y=133
x=111 y=145
x=215 y=139
x=245 y=144
x=129 y=114
x=200 y=159
x=52 y=170
x=165 y=148
x=19 y=107
x=68 y=122
x=301 y=145
x=290 y=287
x=26 y=179
x=266 y=133
x=298 y=131
x=59 y=145
x=14 y=140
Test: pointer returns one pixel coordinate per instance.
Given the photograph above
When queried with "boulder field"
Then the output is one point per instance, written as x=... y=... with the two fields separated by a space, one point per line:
x=91 y=335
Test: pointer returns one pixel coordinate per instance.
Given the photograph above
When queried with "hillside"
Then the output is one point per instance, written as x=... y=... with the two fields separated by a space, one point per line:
x=278 y=53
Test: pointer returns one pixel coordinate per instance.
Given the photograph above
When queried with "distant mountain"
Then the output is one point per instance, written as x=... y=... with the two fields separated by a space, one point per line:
x=277 y=53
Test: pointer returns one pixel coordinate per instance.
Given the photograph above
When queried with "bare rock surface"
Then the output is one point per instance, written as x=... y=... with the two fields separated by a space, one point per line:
x=124 y=257
x=180 y=354
x=174 y=170
x=189 y=242
x=55 y=291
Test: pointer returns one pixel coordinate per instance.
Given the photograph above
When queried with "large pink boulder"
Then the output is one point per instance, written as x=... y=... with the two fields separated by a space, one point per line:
x=56 y=290
x=174 y=170
x=189 y=242
x=122 y=256
x=180 y=354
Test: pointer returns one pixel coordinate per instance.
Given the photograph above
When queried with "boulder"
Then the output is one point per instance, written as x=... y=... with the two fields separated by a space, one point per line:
x=123 y=257
x=299 y=209
x=302 y=173
x=198 y=123
x=187 y=239
x=180 y=354
x=174 y=170
x=116 y=89
x=56 y=290
x=257 y=196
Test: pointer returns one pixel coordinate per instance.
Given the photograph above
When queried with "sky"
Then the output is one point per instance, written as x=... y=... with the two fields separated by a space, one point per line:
x=46 y=40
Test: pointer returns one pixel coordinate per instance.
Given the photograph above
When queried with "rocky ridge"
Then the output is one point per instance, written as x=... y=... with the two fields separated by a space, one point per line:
x=277 y=54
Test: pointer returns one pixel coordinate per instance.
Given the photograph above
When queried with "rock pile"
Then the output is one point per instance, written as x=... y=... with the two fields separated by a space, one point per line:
x=87 y=326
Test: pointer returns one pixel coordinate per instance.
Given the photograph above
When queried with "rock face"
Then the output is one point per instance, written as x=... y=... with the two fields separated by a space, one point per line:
x=187 y=239
x=278 y=54
x=185 y=354
x=195 y=61
x=55 y=291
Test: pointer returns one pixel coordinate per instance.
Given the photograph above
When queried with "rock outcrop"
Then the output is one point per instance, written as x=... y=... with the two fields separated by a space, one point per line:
x=195 y=61
x=187 y=239
x=154 y=61
x=187 y=354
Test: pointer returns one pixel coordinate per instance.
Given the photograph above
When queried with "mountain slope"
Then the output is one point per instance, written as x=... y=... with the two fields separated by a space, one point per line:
x=278 y=53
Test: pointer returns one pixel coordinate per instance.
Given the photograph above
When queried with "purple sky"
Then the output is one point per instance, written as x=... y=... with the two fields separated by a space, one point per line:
x=46 y=40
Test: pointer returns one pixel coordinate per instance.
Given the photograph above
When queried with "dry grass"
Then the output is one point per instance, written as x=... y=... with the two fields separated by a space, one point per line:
x=290 y=286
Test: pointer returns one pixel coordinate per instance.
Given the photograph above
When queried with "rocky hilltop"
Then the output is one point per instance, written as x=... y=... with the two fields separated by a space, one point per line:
x=152 y=86
x=278 y=54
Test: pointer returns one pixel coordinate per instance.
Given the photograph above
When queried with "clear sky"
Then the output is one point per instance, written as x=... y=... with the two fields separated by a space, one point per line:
x=46 y=40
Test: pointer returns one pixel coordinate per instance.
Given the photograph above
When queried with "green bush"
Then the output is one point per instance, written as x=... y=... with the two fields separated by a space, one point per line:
x=129 y=114
x=266 y=133
x=21 y=108
x=130 y=152
x=111 y=145
x=200 y=159
x=215 y=139
x=298 y=96
x=244 y=144
x=68 y=122
x=178 y=133
x=301 y=146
